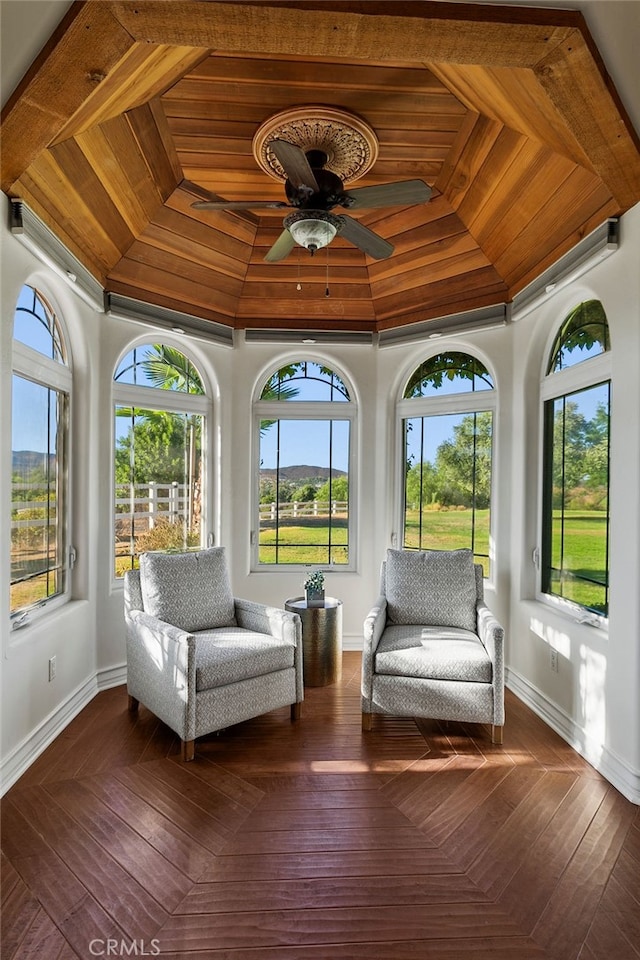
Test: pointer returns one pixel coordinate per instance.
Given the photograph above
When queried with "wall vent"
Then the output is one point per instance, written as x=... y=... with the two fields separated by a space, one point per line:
x=267 y=335
x=485 y=318
x=598 y=245
x=127 y=308
x=37 y=237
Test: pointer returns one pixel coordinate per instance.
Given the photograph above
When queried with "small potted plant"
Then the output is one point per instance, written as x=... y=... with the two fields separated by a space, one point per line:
x=314 y=589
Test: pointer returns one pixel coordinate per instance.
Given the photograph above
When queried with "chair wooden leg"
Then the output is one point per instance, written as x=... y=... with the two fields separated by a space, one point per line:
x=295 y=712
x=188 y=750
x=496 y=733
x=367 y=721
x=133 y=704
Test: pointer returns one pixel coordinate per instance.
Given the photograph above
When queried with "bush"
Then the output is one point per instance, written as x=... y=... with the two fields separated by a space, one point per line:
x=165 y=535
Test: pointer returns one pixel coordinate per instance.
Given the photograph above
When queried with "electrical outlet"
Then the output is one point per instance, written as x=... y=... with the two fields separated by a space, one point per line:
x=554 y=660
x=52 y=668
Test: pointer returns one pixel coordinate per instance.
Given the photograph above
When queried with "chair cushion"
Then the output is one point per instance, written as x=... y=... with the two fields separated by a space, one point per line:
x=189 y=590
x=433 y=653
x=231 y=654
x=431 y=587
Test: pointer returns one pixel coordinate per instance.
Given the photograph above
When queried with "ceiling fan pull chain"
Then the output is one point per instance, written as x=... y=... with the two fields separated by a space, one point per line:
x=299 y=285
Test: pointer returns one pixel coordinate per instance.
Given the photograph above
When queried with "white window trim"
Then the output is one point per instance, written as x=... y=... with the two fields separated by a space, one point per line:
x=553 y=386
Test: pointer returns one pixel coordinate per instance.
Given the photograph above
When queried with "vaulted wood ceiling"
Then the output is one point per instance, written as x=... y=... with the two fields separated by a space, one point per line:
x=507 y=113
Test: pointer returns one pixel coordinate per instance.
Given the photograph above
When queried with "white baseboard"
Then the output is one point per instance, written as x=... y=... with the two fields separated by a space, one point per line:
x=616 y=770
x=22 y=756
x=352 y=641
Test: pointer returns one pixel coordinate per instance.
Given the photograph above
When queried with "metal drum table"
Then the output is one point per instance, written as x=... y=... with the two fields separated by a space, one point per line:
x=321 y=640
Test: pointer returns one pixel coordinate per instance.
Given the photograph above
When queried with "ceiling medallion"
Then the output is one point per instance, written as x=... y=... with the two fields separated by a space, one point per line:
x=348 y=141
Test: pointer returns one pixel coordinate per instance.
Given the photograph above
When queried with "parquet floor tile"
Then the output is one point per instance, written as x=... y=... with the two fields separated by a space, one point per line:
x=315 y=841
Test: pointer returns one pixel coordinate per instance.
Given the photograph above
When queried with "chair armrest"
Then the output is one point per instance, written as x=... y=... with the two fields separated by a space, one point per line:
x=274 y=622
x=492 y=635
x=374 y=625
x=161 y=670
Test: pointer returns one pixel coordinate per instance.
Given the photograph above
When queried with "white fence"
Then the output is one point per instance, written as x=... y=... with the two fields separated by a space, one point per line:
x=303 y=508
x=171 y=501
x=168 y=501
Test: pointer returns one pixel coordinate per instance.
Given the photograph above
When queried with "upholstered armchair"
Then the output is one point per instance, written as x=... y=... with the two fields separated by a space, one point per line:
x=199 y=658
x=432 y=647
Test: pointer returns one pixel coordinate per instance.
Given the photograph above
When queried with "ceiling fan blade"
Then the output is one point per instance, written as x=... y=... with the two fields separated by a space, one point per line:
x=281 y=248
x=239 y=205
x=403 y=193
x=365 y=239
x=295 y=164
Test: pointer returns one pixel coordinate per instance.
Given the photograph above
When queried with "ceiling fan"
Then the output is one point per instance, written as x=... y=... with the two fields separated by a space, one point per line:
x=313 y=191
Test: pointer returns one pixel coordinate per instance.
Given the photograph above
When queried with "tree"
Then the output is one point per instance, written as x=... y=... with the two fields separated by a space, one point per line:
x=463 y=464
x=305 y=493
x=421 y=485
x=339 y=490
x=581 y=449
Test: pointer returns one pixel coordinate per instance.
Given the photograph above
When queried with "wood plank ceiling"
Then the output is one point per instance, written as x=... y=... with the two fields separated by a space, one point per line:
x=133 y=108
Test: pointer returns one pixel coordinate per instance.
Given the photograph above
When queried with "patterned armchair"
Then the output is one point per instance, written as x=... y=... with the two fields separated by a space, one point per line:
x=432 y=648
x=199 y=658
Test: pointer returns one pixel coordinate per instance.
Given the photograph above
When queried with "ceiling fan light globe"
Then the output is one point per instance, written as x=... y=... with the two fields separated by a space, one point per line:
x=312 y=233
x=312 y=229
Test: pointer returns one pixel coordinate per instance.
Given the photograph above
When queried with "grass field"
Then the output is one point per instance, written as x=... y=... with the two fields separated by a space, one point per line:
x=306 y=541
x=581 y=558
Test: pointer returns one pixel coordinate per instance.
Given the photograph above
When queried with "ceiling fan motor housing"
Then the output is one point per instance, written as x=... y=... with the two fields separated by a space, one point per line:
x=330 y=192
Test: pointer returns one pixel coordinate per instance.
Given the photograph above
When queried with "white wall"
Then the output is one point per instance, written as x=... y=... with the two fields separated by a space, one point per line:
x=592 y=700
x=31 y=705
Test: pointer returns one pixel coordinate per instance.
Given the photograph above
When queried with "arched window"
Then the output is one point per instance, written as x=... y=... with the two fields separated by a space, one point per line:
x=41 y=392
x=160 y=407
x=576 y=394
x=446 y=419
x=304 y=423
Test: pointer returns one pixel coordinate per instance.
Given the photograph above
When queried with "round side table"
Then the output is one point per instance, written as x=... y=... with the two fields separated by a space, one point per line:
x=321 y=640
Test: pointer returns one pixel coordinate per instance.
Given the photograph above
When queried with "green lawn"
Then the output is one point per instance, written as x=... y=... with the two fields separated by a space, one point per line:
x=305 y=540
x=581 y=558
x=449 y=530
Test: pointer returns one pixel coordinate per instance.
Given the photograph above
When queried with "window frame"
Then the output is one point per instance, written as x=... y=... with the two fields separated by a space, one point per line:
x=57 y=375
x=324 y=410
x=145 y=397
x=557 y=385
x=468 y=402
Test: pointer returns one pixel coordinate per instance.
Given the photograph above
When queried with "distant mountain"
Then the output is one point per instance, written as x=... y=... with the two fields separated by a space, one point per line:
x=23 y=461
x=304 y=472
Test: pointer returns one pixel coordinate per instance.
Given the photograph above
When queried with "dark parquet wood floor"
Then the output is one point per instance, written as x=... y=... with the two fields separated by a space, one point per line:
x=417 y=841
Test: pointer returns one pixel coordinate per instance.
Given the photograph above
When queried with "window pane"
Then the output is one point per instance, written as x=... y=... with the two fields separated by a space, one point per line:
x=158 y=474
x=35 y=325
x=304 y=491
x=305 y=381
x=448 y=483
x=576 y=529
x=37 y=492
x=584 y=334
x=448 y=373
x=158 y=365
